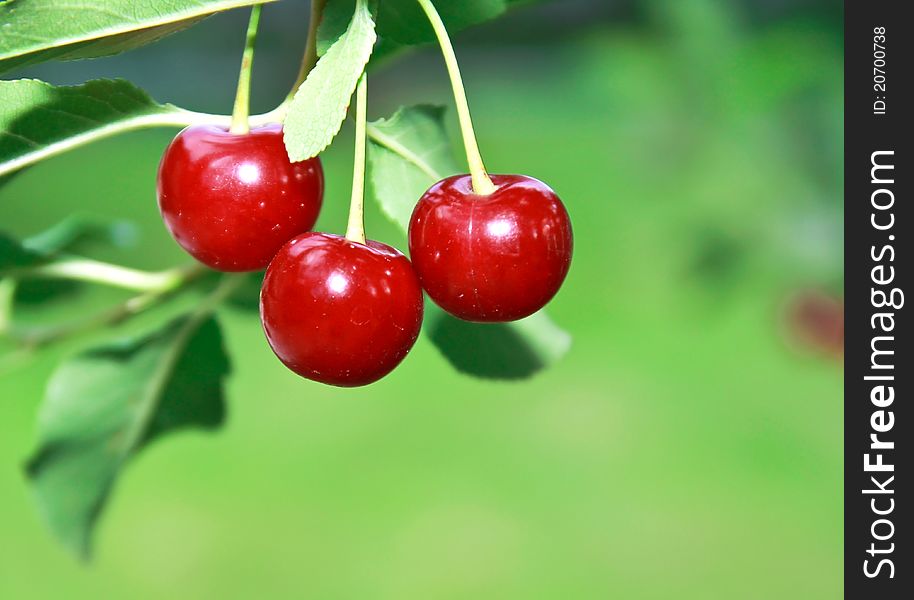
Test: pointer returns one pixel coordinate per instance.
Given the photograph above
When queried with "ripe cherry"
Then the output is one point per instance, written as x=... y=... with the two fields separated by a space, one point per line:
x=340 y=312
x=232 y=200
x=490 y=258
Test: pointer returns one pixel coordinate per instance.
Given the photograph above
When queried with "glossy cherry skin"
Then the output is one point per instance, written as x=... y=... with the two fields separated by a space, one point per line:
x=340 y=312
x=232 y=200
x=499 y=257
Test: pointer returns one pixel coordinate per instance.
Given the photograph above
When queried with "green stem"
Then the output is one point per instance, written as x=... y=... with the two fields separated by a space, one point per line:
x=37 y=338
x=173 y=118
x=482 y=184
x=356 y=229
x=94 y=271
x=403 y=152
x=309 y=59
x=242 y=108
x=7 y=295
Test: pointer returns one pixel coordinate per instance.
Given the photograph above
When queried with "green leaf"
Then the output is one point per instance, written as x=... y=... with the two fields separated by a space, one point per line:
x=105 y=405
x=334 y=22
x=247 y=295
x=39 y=120
x=34 y=31
x=72 y=234
x=76 y=230
x=14 y=255
x=497 y=350
x=319 y=106
x=408 y=153
x=404 y=22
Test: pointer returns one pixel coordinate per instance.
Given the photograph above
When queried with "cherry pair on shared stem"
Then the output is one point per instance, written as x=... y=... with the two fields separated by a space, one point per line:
x=232 y=200
x=492 y=257
x=334 y=311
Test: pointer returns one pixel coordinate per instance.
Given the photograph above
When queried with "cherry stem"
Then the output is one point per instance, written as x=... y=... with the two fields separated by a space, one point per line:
x=355 y=232
x=34 y=339
x=309 y=59
x=482 y=184
x=7 y=296
x=242 y=107
x=98 y=272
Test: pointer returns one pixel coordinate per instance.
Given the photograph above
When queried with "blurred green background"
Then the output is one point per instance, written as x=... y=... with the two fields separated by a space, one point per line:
x=688 y=446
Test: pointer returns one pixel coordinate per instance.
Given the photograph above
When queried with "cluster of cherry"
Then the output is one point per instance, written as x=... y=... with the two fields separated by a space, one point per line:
x=345 y=310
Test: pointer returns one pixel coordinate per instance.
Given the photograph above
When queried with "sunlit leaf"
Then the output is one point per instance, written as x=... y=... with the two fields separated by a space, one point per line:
x=34 y=31
x=408 y=153
x=319 y=106
x=76 y=230
x=39 y=120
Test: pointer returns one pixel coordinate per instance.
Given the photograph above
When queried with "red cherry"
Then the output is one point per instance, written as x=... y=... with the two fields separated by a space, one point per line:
x=232 y=200
x=491 y=258
x=340 y=312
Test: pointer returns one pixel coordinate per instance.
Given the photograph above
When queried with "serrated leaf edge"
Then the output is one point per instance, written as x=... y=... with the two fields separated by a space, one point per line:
x=305 y=153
